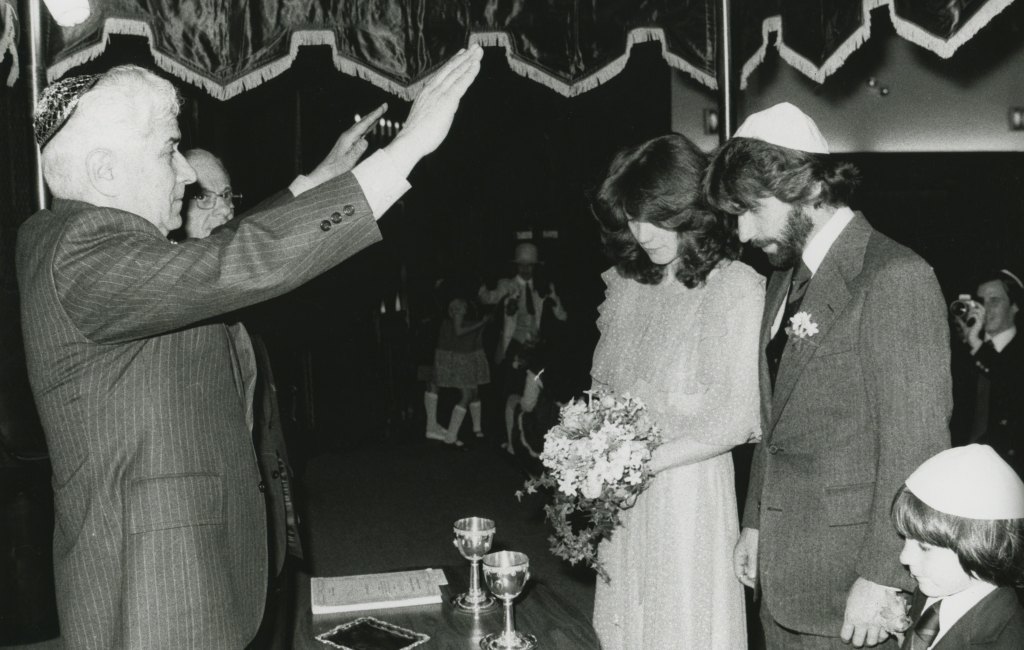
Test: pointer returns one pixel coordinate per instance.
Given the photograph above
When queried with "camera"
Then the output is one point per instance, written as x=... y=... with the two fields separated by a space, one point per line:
x=964 y=307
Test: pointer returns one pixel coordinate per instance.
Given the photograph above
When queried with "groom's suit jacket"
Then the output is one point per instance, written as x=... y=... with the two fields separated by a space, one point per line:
x=856 y=408
x=160 y=537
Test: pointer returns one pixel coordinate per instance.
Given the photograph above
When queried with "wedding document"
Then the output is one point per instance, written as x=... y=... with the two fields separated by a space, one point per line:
x=376 y=591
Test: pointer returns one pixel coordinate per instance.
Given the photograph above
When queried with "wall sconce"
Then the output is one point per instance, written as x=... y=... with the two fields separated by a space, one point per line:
x=878 y=88
x=710 y=121
x=1017 y=118
x=68 y=13
x=383 y=131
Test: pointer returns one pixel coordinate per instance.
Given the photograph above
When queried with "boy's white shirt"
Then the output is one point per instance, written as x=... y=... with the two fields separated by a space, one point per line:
x=954 y=607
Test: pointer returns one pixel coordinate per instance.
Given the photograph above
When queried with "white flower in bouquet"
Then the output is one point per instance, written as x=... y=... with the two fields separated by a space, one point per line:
x=596 y=462
x=573 y=415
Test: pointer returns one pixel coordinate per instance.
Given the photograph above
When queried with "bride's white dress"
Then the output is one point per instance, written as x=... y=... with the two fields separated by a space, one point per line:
x=691 y=356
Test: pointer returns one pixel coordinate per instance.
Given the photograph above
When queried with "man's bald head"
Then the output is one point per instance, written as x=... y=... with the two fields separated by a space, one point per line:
x=211 y=204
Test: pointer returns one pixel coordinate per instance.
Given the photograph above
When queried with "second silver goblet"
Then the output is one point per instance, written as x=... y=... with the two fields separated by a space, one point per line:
x=506 y=572
x=473 y=538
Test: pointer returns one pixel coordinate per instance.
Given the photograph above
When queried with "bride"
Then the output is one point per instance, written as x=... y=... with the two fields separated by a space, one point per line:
x=679 y=330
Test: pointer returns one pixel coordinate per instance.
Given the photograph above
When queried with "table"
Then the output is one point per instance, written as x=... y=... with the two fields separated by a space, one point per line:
x=539 y=611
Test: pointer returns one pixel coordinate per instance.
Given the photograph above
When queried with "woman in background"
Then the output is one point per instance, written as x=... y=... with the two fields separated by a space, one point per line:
x=679 y=330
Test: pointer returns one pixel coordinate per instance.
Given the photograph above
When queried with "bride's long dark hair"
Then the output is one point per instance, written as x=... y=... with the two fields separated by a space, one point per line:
x=659 y=181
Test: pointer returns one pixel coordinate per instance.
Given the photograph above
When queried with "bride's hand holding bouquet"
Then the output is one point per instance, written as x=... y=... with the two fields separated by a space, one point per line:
x=597 y=462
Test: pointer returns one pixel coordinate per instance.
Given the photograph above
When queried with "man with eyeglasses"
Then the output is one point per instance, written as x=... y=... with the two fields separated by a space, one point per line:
x=211 y=202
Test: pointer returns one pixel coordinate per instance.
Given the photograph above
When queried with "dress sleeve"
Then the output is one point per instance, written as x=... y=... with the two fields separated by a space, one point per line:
x=605 y=360
x=721 y=404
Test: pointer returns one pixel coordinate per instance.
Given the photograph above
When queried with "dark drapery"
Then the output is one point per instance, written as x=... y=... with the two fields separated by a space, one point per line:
x=227 y=46
x=817 y=36
x=571 y=46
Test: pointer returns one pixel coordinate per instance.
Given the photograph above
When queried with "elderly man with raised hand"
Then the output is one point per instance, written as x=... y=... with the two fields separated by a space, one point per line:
x=855 y=386
x=160 y=538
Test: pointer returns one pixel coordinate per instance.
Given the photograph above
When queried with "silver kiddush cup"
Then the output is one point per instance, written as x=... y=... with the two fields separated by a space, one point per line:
x=506 y=573
x=473 y=538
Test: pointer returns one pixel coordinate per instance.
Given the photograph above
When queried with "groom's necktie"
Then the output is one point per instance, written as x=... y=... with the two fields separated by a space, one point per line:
x=925 y=630
x=797 y=288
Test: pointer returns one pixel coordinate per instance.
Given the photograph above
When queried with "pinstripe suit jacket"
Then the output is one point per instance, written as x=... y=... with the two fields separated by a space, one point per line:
x=160 y=536
x=283 y=535
x=856 y=408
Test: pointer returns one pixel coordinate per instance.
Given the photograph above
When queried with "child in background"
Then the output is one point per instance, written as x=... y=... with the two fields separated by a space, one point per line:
x=962 y=516
x=459 y=362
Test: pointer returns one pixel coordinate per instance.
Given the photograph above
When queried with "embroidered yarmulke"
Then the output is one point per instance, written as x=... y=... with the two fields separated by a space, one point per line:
x=971 y=482
x=57 y=104
x=784 y=125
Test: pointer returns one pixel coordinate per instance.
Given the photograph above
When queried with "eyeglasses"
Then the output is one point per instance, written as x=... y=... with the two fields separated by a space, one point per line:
x=206 y=199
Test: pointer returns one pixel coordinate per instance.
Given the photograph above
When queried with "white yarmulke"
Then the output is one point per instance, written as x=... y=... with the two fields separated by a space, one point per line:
x=971 y=482
x=784 y=125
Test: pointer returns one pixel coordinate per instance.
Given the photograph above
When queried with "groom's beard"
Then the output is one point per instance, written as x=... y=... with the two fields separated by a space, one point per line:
x=790 y=243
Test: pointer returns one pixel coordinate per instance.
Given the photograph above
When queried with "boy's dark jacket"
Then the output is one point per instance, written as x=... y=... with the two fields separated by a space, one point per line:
x=996 y=623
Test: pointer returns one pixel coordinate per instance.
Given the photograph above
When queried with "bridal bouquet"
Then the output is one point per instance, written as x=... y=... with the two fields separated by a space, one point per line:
x=596 y=463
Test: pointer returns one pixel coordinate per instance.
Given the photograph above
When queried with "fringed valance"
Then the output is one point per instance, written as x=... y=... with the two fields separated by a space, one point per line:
x=228 y=46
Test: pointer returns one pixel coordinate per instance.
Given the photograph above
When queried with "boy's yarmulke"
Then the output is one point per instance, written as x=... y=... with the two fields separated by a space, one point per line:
x=784 y=125
x=971 y=482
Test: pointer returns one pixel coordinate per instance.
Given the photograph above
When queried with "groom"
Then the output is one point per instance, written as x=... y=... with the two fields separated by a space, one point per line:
x=855 y=386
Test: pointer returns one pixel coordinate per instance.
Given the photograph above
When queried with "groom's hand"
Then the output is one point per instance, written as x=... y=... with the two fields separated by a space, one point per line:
x=864 y=604
x=744 y=557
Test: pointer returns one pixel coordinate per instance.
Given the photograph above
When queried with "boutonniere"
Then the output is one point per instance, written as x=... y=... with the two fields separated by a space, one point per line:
x=801 y=326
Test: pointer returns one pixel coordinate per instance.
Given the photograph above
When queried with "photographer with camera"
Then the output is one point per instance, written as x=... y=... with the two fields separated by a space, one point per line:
x=530 y=307
x=987 y=327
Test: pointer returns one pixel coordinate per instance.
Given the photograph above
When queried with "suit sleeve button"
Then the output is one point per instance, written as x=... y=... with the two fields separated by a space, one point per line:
x=262 y=486
x=349 y=210
x=336 y=217
x=325 y=225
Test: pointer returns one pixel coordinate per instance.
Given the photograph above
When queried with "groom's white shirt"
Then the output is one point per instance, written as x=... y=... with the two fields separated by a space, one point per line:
x=816 y=249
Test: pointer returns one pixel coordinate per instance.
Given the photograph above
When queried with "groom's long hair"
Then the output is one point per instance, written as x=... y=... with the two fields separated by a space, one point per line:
x=745 y=170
